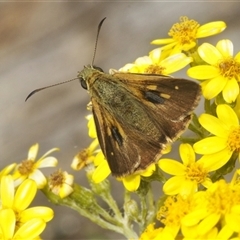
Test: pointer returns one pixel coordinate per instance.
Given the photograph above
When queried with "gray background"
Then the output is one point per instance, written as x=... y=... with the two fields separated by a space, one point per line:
x=43 y=43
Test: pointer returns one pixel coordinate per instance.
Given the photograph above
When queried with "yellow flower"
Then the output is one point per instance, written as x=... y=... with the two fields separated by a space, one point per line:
x=10 y=230
x=86 y=156
x=18 y=201
x=219 y=148
x=156 y=64
x=218 y=206
x=185 y=34
x=30 y=169
x=187 y=175
x=222 y=73
x=61 y=183
x=173 y=210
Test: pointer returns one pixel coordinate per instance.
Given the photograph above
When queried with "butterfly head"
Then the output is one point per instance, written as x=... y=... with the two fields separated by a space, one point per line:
x=88 y=75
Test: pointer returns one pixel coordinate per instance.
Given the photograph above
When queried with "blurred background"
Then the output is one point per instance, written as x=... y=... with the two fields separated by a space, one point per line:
x=42 y=43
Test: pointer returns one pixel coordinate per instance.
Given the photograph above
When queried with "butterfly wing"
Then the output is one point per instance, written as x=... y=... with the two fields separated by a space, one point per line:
x=125 y=149
x=136 y=115
x=169 y=101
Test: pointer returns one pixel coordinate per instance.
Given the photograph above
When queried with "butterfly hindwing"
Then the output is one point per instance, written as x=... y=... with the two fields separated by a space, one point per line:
x=123 y=147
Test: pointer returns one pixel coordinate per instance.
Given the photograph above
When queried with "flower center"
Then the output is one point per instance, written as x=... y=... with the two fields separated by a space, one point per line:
x=154 y=69
x=26 y=167
x=185 y=31
x=233 y=141
x=223 y=198
x=173 y=210
x=56 y=179
x=195 y=172
x=229 y=68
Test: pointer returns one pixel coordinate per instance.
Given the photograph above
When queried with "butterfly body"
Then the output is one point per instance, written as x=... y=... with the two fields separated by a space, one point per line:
x=137 y=115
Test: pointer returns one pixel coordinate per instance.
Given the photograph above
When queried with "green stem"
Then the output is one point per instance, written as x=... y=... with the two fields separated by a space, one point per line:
x=103 y=190
x=151 y=208
x=82 y=200
x=143 y=212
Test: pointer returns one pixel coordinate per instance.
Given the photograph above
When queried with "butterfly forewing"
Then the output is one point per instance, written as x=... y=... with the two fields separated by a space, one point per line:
x=136 y=115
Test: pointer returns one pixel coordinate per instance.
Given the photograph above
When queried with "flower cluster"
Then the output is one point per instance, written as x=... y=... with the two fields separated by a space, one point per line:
x=198 y=205
x=17 y=221
x=18 y=186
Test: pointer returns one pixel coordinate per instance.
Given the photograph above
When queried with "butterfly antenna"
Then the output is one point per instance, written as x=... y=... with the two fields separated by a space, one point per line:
x=94 y=53
x=53 y=85
x=98 y=31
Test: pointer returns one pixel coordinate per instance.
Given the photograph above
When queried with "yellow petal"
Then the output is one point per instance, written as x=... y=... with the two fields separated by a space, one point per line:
x=203 y=72
x=173 y=185
x=188 y=46
x=25 y=194
x=162 y=41
x=231 y=91
x=215 y=161
x=99 y=158
x=127 y=67
x=65 y=190
x=32 y=153
x=188 y=187
x=208 y=223
x=155 y=55
x=214 y=87
x=132 y=182
x=207 y=182
x=225 y=233
x=48 y=152
x=30 y=229
x=210 y=29
x=39 y=178
x=44 y=213
x=214 y=125
x=91 y=127
x=209 y=53
x=7 y=191
x=225 y=46
x=175 y=62
x=7 y=169
x=232 y=221
x=194 y=217
x=145 y=60
x=172 y=167
x=101 y=172
x=189 y=232
x=227 y=115
x=149 y=170
x=47 y=162
x=7 y=223
x=187 y=154
x=210 y=145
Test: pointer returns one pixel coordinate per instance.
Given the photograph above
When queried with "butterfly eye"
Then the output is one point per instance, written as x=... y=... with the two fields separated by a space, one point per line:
x=83 y=83
x=98 y=68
